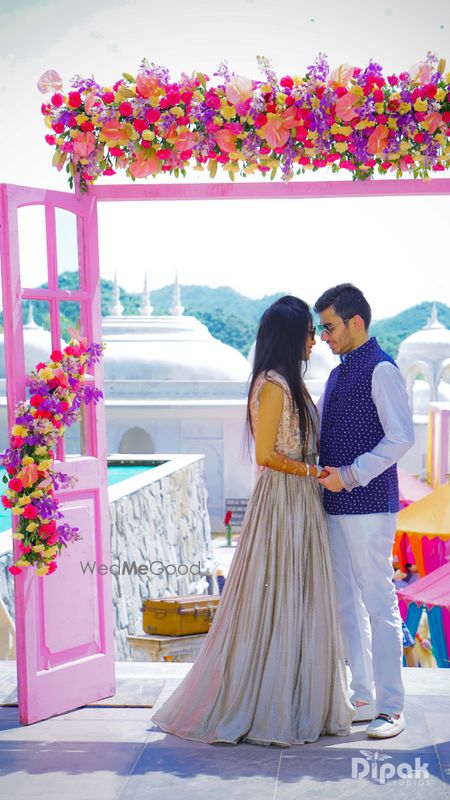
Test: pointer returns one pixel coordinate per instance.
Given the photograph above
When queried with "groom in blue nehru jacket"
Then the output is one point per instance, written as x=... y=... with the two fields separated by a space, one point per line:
x=366 y=427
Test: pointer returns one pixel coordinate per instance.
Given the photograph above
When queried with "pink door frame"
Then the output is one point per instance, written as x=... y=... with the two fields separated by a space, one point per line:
x=89 y=669
x=64 y=626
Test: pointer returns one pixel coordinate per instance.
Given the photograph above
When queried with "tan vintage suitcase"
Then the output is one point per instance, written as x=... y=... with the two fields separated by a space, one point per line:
x=179 y=616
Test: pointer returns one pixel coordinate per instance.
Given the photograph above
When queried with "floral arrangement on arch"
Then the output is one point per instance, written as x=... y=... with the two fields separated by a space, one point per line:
x=348 y=119
x=57 y=390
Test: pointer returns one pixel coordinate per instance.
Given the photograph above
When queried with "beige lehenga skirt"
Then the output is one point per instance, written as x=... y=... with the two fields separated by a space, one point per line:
x=271 y=670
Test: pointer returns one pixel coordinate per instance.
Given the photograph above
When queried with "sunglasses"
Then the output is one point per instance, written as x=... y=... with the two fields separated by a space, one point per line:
x=329 y=327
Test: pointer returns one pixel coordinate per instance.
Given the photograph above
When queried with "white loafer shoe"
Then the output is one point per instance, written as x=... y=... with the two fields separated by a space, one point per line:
x=385 y=725
x=365 y=713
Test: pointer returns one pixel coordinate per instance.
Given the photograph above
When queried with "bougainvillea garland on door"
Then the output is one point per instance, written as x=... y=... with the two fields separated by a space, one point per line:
x=57 y=390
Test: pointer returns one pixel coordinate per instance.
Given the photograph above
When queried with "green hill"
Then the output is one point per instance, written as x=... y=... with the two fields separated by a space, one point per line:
x=229 y=315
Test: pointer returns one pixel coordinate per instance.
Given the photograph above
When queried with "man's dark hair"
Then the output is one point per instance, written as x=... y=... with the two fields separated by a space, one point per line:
x=347 y=301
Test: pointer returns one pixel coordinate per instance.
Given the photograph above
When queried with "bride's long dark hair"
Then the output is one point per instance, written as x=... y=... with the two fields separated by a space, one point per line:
x=281 y=344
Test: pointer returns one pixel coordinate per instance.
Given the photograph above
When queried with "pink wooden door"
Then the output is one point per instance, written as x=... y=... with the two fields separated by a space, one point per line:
x=64 y=623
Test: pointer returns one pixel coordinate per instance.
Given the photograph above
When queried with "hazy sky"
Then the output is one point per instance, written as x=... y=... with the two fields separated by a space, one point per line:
x=396 y=249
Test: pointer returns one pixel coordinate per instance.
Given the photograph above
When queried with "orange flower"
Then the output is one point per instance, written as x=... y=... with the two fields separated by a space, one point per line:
x=144 y=167
x=146 y=85
x=275 y=132
x=434 y=120
x=226 y=140
x=29 y=475
x=378 y=139
x=114 y=131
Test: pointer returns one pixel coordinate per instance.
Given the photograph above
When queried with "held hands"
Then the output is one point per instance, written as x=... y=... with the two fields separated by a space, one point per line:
x=329 y=479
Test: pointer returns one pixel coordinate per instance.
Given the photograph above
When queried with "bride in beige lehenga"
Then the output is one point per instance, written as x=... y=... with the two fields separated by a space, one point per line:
x=272 y=670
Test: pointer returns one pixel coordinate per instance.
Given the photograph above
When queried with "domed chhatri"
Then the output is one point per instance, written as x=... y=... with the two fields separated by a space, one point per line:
x=175 y=348
x=427 y=352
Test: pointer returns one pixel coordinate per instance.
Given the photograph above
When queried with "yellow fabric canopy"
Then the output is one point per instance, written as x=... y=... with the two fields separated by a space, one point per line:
x=429 y=516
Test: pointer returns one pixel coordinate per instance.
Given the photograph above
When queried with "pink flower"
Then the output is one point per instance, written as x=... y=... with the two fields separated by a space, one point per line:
x=49 y=80
x=90 y=101
x=56 y=355
x=6 y=502
x=74 y=99
x=287 y=82
x=57 y=100
x=378 y=139
x=14 y=570
x=345 y=107
x=239 y=89
x=125 y=109
x=83 y=145
x=15 y=484
x=30 y=511
x=51 y=567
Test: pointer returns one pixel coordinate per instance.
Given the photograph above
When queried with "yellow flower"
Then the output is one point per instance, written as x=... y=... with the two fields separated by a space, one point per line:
x=17 y=511
x=358 y=91
x=392 y=123
x=81 y=118
x=22 y=563
x=441 y=94
x=298 y=80
x=266 y=88
x=42 y=570
x=19 y=430
x=27 y=460
x=148 y=136
x=404 y=147
x=379 y=108
x=32 y=526
x=227 y=111
x=45 y=464
x=24 y=500
x=420 y=105
x=18 y=536
x=46 y=374
x=341 y=147
x=38 y=548
x=41 y=450
x=281 y=97
x=404 y=108
x=440 y=138
x=37 y=493
x=50 y=552
x=218 y=120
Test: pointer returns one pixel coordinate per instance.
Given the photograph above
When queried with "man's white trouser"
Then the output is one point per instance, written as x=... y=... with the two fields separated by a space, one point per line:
x=370 y=619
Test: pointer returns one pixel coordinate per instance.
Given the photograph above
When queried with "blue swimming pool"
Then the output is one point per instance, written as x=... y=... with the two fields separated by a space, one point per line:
x=116 y=473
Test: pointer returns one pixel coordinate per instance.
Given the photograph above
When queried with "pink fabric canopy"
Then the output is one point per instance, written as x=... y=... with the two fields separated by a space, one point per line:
x=432 y=590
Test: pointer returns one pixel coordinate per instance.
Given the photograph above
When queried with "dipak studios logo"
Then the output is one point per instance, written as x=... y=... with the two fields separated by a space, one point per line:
x=378 y=768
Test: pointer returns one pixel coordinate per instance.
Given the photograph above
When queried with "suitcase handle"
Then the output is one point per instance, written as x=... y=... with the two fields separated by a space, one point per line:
x=198 y=612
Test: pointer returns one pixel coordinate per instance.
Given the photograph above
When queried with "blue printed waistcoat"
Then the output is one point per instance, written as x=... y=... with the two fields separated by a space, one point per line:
x=351 y=426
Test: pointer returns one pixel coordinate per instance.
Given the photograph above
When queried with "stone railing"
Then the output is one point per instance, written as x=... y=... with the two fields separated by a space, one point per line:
x=160 y=540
